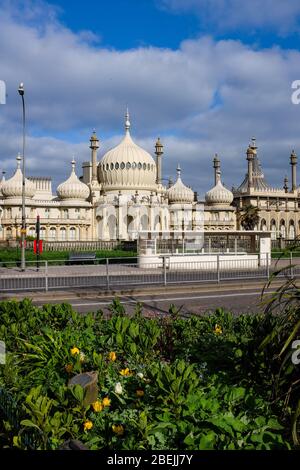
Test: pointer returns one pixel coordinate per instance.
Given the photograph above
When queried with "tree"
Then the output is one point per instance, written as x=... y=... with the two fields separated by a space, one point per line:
x=249 y=217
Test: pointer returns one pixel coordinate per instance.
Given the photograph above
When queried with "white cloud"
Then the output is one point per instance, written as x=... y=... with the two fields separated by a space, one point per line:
x=279 y=15
x=207 y=96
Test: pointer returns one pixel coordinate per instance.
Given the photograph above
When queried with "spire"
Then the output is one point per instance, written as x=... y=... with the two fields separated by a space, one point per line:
x=127 y=121
x=218 y=176
x=178 y=172
x=18 y=161
x=73 y=165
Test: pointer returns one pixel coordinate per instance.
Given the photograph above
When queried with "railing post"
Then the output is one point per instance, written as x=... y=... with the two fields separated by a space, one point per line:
x=218 y=268
x=107 y=273
x=291 y=264
x=268 y=265
x=165 y=270
x=46 y=276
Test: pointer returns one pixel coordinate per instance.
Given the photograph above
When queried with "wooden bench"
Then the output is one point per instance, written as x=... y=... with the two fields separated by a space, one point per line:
x=82 y=258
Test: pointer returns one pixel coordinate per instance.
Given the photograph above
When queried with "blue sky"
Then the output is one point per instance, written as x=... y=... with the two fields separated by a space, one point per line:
x=205 y=75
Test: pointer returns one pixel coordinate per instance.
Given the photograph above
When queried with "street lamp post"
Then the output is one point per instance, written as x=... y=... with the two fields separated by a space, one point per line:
x=23 y=228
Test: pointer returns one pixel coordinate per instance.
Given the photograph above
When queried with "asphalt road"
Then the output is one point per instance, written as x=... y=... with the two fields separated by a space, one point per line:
x=233 y=298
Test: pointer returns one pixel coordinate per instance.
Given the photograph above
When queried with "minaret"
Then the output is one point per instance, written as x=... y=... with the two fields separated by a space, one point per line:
x=293 y=161
x=158 y=152
x=216 y=166
x=94 y=147
x=251 y=151
x=285 y=184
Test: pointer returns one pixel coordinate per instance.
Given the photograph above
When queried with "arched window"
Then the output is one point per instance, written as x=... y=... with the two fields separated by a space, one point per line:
x=111 y=166
x=117 y=166
x=31 y=232
x=8 y=233
x=72 y=233
x=273 y=229
x=263 y=225
x=292 y=230
x=42 y=233
x=282 y=229
x=62 y=234
x=122 y=166
x=52 y=233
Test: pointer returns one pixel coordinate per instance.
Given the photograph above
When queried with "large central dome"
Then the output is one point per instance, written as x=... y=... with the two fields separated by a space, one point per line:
x=127 y=166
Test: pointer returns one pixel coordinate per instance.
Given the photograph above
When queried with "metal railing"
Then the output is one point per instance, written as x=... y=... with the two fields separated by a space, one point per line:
x=114 y=273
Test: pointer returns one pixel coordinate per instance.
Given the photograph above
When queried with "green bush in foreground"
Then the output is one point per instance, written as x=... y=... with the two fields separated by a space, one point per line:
x=164 y=383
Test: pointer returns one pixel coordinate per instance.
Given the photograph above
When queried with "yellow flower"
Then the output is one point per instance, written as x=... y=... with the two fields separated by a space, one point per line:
x=74 y=351
x=97 y=406
x=140 y=393
x=126 y=372
x=112 y=356
x=69 y=368
x=106 y=401
x=218 y=330
x=87 y=425
x=118 y=429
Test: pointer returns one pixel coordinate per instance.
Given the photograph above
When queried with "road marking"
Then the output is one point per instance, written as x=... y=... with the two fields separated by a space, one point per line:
x=172 y=299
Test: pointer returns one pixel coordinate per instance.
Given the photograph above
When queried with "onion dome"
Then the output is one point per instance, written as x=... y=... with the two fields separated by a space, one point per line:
x=13 y=186
x=127 y=166
x=219 y=195
x=73 y=188
x=179 y=193
x=2 y=182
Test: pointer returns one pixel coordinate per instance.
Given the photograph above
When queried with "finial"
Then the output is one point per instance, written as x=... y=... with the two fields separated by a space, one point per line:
x=19 y=158
x=178 y=171
x=127 y=122
x=218 y=176
x=253 y=143
x=216 y=161
x=73 y=165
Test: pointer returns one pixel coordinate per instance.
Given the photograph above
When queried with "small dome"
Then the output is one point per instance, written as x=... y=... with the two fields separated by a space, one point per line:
x=179 y=193
x=2 y=182
x=219 y=194
x=73 y=188
x=127 y=166
x=13 y=186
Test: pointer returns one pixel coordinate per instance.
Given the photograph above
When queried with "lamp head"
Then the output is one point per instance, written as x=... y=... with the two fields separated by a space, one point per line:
x=21 y=89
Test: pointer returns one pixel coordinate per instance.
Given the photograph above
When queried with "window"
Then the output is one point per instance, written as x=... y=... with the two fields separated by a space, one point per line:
x=72 y=233
x=122 y=166
x=139 y=166
x=111 y=166
x=77 y=213
x=47 y=213
x=62 y=234
x=52 y=233
x=134 y=166
x=144 y=166
x=128 y=166
x=42 y=233
x=117 y=166
x=9 y=212
x=65 y=214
